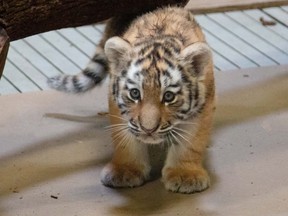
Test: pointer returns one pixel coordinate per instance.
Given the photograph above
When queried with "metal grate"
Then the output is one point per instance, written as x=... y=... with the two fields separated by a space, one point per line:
x=238 y=40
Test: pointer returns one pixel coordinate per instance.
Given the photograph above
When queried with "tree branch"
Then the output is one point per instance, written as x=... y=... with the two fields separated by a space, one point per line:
x=22 y=18
x=4 y=46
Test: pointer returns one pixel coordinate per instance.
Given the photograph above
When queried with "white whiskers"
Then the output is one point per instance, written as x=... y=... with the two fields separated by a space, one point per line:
x=179 y=135
x=186 y=123
x=120 y=133
x=116 y=126
x=119 y=117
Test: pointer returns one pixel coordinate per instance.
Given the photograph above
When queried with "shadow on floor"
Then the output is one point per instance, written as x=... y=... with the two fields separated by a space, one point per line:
x=52 y=159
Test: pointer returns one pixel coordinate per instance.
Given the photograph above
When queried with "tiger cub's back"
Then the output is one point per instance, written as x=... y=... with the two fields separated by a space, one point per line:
x=170 y=21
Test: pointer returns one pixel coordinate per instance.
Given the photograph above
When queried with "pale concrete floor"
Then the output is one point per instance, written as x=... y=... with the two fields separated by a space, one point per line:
x=44 y=158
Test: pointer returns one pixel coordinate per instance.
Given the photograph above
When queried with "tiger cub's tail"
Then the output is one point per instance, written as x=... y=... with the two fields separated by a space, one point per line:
x=92 y=75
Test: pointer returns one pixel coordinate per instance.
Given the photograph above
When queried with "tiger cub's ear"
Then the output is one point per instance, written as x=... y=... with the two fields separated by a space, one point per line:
x=197 y=55
x=117 y=51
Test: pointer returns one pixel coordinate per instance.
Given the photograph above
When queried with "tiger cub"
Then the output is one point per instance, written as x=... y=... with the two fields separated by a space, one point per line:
x=161 y=91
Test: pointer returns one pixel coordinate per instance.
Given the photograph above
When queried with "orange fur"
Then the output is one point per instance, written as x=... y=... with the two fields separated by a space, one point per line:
x=183 y=171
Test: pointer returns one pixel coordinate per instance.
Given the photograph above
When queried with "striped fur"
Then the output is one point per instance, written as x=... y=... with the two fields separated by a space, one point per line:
x=157 y=66
x=161 y=91
x=91 y=76
x=98 y=68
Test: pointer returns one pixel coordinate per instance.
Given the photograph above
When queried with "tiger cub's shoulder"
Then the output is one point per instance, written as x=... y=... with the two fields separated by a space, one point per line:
x=172 y=21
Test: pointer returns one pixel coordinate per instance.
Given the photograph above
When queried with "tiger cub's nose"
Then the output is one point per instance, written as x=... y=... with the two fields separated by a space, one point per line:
x=149 y=131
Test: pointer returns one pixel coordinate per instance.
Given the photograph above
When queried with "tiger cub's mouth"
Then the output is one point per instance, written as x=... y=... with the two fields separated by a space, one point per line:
x=150 y=139
x=157 y=135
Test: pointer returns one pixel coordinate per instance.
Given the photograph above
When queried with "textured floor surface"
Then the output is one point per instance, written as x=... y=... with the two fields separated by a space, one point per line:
x=51 y=166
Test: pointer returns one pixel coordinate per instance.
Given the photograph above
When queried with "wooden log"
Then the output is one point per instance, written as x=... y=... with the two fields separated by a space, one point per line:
x=211 y=6
x=22 y=18
x=4 y=46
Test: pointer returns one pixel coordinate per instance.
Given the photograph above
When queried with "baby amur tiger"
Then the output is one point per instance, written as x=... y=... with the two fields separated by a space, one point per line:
x=161 y=91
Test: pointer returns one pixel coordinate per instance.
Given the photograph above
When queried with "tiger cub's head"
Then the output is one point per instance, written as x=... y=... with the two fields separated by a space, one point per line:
x=157 y=84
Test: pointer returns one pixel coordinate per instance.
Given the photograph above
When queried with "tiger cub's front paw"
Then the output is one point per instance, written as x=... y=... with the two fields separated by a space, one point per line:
x=123 y=175
x=184 y=180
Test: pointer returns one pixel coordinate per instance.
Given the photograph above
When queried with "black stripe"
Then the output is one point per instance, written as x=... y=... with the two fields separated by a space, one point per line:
x=98 y=59
x=157 y=55
x=185 y=78
x=139 y=61
x=76 y=84
x=65 y=81
x=123 y=73
x=165 y=82
x=158 y=76
x=171 y=65
x=167 y=51
x=167 y=73
x=172 y=45
x=176 y=49
x=180 y=68
x=190 y=95
x=179 y=91
x=92 y=75
x=124 y=112
x=196 y=95
x=156 y=44
x=145 y=49
x=180 y=117
x=201 y=108
x=115 y=88
x=176 y=85
x=122 y=106
x=130 y=81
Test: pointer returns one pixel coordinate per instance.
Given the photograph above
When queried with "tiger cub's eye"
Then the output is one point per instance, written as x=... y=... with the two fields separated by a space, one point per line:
x=135 y=94
x=168 y=96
